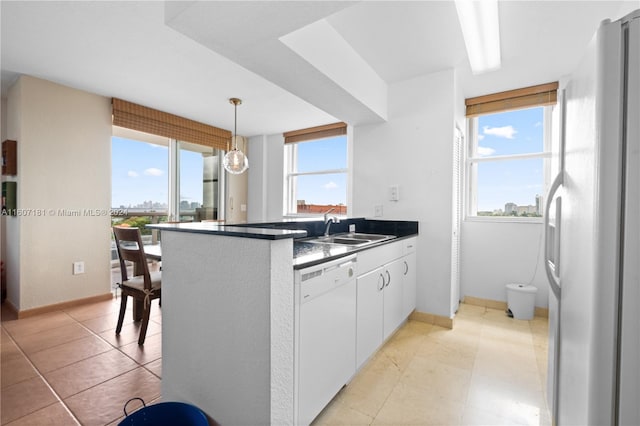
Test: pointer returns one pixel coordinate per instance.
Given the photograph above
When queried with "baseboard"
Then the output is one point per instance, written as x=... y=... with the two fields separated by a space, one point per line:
x=485 y=303
x=62 y=305
x=9 y=306
x=500 y=305
x=432 y=319
x=542 y=312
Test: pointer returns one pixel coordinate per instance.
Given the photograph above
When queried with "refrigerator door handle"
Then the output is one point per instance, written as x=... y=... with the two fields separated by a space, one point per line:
x=549 y=265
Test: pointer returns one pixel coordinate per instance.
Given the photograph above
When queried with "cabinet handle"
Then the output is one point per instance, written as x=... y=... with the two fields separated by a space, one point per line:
x=381 y=278
x=406 y=267
x=388 y=276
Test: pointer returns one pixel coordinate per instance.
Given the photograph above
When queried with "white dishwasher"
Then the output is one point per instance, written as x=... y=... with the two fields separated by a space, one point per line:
x=325 y=330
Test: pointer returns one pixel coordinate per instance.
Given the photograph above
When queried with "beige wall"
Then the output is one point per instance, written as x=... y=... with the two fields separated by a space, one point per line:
x=64 y=164
x=237 y=189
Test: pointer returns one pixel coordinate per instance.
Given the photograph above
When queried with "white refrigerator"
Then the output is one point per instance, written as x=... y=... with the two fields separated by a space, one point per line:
x=592 y=227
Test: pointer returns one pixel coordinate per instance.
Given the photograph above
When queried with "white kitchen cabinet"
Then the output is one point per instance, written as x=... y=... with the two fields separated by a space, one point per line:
x=409 y=276
x=376 y=257
x=369 y=320
x=393 y=298
x=385 y=294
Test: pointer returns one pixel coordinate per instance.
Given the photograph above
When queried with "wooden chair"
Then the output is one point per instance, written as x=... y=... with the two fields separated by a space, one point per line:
x=142 y=286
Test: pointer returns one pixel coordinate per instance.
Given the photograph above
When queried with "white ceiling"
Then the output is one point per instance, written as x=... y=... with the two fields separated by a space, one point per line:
x=188 y=58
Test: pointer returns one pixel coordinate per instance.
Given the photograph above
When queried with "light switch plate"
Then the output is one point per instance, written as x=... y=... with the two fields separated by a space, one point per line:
x=394 y=193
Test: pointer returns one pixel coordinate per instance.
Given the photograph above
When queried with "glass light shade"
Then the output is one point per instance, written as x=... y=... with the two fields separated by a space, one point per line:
x=235 y=162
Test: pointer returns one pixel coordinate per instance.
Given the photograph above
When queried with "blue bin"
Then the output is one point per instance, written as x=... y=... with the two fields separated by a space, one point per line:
x=165 y=414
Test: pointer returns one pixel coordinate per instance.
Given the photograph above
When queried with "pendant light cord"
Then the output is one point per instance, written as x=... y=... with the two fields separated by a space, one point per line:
x=235 y=102
x=235 y=125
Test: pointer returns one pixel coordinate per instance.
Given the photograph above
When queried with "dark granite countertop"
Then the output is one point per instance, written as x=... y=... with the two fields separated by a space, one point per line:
x=304 y=253
x=309 y=254
x=231 y=230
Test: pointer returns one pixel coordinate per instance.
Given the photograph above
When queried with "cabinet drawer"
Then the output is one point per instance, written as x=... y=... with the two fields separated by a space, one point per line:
x=409 y=245
x=375 y=257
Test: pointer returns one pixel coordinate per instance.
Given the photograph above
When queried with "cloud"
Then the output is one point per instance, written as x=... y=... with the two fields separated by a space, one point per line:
x=152 y=171
x=155 y=145
x=330 y=185
x=480 y=137
x=538 y=124
x=484 y=151
x=502 y=132
x=132 y=173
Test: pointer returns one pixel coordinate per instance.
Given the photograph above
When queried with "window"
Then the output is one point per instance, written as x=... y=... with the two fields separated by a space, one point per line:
x=189 y=163
x=506 y=163
x=139 y=174
x=316 y=174
x=151 y=183
x=198 y=185
x=508 y=148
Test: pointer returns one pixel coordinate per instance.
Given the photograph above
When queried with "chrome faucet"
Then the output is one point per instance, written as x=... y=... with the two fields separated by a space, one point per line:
x=329 y=220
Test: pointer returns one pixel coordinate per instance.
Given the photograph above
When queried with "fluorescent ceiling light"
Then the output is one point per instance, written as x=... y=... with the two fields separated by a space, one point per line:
x=481 y=32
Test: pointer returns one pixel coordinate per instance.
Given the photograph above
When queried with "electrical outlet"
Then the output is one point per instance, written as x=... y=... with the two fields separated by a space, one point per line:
x=78 y=268
x=377 y=211
x=352 y=228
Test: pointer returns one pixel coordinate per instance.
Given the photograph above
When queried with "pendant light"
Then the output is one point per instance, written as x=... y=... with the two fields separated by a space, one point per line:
x=235 y=162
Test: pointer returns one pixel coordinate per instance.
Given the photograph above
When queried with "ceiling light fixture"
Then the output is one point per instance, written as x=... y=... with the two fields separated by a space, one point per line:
x=481 y=32
x=235 y=161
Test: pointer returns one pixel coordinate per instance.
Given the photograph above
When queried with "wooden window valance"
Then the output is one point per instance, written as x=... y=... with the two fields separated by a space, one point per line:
x=319 y=132
x=149 y=120
x=528 y=97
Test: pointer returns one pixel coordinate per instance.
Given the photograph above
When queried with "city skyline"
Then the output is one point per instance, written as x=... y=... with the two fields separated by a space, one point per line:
x=140 y=173
x=513 y=209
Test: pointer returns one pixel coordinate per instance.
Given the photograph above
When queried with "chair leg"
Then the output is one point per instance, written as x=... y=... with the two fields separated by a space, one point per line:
x=123 y=308
x=144 y=324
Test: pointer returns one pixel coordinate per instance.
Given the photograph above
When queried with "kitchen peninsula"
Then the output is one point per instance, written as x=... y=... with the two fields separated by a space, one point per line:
x=228 y=305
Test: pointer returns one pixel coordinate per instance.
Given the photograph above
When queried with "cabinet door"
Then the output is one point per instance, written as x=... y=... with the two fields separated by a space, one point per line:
x=409 y=283
x=393 y=301
x=369 y=308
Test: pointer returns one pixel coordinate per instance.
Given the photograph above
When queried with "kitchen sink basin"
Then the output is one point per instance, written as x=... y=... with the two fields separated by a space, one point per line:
x=350 y=239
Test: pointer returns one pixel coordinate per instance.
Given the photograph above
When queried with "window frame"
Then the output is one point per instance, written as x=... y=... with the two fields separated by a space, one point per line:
x=290 y=173
x=471 y=158
x=174 y=147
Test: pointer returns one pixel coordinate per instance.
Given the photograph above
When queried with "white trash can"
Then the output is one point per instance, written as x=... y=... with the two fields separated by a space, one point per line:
x=521 y=300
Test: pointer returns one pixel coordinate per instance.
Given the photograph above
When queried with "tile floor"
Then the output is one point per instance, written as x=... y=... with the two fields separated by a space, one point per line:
x=68 y=367
x=488 y=370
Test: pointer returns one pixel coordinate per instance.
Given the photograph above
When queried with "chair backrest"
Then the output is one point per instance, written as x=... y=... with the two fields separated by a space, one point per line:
x=130 y=248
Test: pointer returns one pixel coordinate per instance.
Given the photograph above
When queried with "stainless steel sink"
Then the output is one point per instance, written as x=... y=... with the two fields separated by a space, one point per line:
x=350 y=239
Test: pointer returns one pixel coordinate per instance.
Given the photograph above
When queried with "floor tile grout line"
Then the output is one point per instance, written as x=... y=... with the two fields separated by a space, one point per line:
x=46 y=382
x=9 y=331
x=118 y=348
x=58 y=397
x=51 y=347
x=530 y=344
